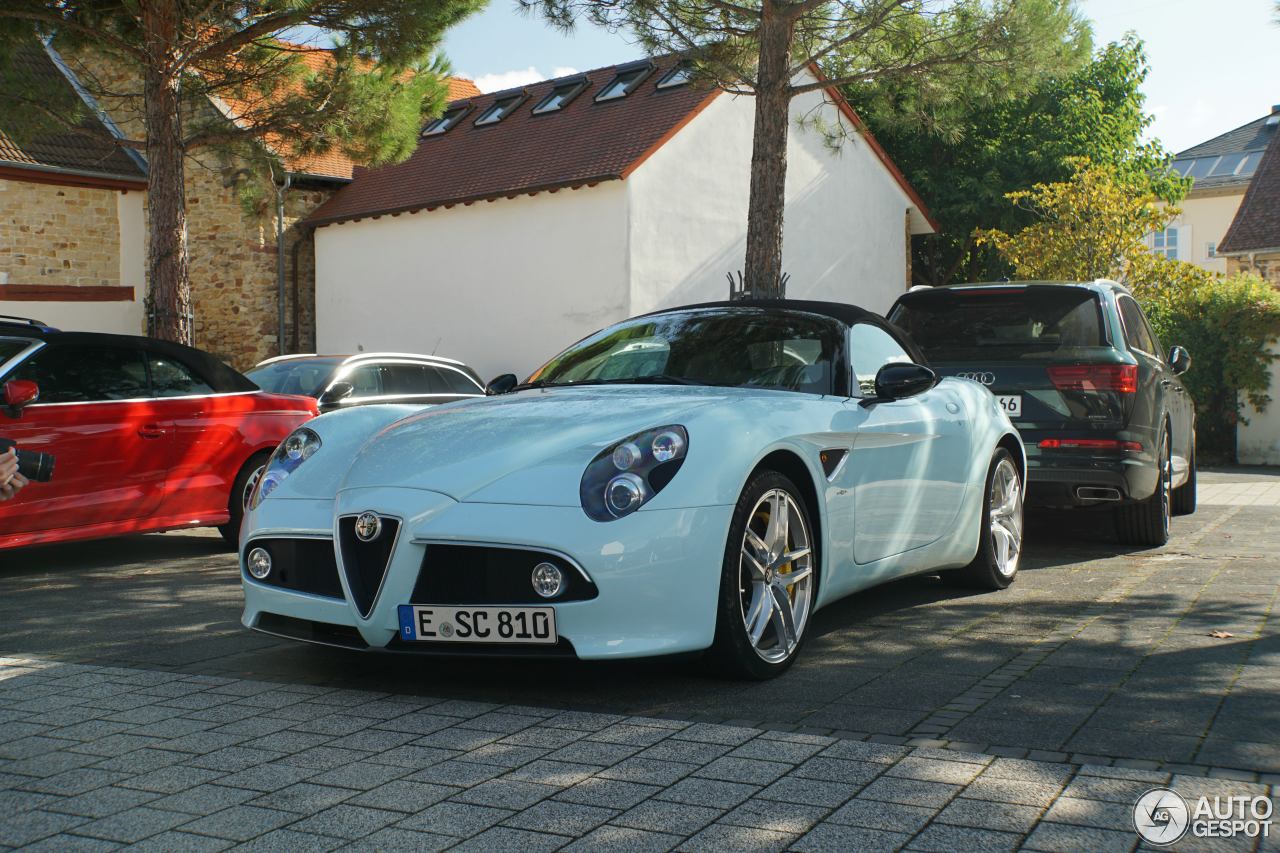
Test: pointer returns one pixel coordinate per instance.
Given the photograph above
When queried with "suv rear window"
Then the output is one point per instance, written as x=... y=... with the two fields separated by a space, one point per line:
x=1036 y=323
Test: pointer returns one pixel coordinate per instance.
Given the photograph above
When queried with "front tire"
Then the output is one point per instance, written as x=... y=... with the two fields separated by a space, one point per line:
x=241 y=489
x=768 y=581
x=1146 y=523
x=1000 y=538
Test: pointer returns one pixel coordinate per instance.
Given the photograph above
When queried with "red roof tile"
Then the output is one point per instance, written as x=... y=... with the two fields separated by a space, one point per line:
x=583 y=143
x=1256 y=226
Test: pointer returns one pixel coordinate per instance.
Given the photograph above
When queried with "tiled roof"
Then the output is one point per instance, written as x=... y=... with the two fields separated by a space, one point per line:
x=1256 y=226
x=88 y=153
x=583 y=143
x=1227 y=160
x=334 y=163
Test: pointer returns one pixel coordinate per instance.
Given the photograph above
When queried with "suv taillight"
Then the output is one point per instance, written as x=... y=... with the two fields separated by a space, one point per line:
x=1095 y=377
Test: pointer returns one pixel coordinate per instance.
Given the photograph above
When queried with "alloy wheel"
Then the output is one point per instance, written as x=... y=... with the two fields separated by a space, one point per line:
x=1006 y=517
x=775 y=576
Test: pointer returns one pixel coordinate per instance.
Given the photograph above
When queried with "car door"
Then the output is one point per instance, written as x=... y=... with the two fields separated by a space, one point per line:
x=182 y=399
x=908 y=465
x=1159 y=390
x=365 y=379
x=94 y=416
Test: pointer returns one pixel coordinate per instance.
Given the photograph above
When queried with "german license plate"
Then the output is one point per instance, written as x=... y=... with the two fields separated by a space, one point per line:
x=1011 y=404
x=438 y=623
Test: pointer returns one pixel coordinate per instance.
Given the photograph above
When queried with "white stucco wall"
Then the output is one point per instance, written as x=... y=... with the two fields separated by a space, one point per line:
x=845 y=231
x=1205 y=219
x=1258 y=442
x=502 y=285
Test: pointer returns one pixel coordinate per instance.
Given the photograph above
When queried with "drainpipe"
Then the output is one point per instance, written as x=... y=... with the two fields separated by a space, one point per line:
x=297 y=294
x=281 y=190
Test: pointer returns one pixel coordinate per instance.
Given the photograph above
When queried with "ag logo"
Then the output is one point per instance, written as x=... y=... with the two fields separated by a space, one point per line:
x=982 y=377
x=1161 y=817
x=368 y=526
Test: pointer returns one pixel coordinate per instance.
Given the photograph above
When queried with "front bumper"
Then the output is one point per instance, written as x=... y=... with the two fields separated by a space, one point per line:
x=657 y=571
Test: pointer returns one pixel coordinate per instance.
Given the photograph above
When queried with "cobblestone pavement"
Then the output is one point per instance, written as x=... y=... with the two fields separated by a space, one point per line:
x=134 y=709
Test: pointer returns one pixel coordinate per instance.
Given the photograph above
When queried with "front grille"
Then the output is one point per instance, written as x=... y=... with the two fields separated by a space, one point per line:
x=311 y=631
x=365 y=563
x=301 y=565
x=480 y=574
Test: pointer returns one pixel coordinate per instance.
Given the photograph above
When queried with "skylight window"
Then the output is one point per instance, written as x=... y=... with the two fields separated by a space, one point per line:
x=560 y=96
x=677 y=76
x=450 y=118
x=623 y=84
x=499 y=110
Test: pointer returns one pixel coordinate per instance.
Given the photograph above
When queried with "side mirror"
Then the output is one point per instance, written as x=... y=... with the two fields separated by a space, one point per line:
x=336 y=393
x=501 y=384
x=897 y=380
x=19 y=393
x=1179 y=361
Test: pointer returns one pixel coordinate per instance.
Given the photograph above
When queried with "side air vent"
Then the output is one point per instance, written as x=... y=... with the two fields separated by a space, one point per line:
x=365 y=559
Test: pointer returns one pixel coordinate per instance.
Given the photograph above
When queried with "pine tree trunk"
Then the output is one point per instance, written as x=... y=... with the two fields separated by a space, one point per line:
x=763 y=271
x=166 y=190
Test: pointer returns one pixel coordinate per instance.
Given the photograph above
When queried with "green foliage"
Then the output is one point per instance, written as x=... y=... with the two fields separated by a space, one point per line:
x=1227 y=323
x=965 y=147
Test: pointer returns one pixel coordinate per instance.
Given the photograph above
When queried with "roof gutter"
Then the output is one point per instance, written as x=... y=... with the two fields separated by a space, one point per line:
x=1273 y=250
x=85 y=177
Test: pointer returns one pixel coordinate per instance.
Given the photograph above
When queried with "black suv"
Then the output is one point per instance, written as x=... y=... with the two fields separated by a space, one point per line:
x=1105 y=418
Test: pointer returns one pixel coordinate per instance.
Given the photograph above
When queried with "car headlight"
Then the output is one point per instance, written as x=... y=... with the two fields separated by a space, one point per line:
x=300 y=446
x=627 y=474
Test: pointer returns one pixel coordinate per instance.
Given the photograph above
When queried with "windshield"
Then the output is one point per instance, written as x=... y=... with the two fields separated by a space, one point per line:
x=307 y=377
x=1030 y=324
x=737 y=347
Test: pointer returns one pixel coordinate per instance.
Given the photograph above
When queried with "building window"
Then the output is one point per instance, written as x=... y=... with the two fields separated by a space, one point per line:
x=560 y=96
x=450 y=118
x=677 y=76
x=1165 y=242
x=1211 y=249
x=624 y=83
x=499 y=110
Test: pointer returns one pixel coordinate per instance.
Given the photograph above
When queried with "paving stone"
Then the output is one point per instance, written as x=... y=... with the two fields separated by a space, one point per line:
x=396 y=840
x=637 y=769
x=742 y=839
x=362 y=776
x=710 y=733
x=878 y=753
x=302 y=797
x=559 y=773
x=874 y=814
x=753 y=771
x=327 y=757
x=204 y=799
x=952 y=772
x=170 y=780
x=1099 y=813
x=506 y=839
x=71 y=844
x=347 y=821
x=708 y=792
x=663 y=816
x=790 y=818
x=267 y=777
x=74 y=782
x=911 y=792
x=777 y=750
x=100 y=803
x=403 y=796
x=235 y=758
x=141 y=761
x=983 y=814
x=610 y=793
x=240 y=823
x=942 y=838
x=687 y=751
x=839 y=770
x=570 y=819
x=460 y=774
x=818 y=792
x=1062 y=838
x=23 y=828
x=598 y=753
x=543 y=737
x=837 y=838
x=177 y=840
x=458 y=739
x=1098 y=788
x=1030 y=771
x=289 y=841
x=629 y=734
x=1016 y=791
x=621 y=839
x=458 y=819
x=506 y=793
x=133 y=824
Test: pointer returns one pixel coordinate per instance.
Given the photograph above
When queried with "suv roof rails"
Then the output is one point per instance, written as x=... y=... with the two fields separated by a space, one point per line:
x=35 y=325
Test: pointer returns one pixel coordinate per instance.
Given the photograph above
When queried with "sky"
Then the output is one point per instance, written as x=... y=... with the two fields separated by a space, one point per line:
x=1215 y=64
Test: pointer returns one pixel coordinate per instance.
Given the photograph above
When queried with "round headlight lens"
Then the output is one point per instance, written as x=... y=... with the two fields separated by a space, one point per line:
x=548 y=580
x=259 y=563
x=623 y=494
x=667 y=446
x=626 y=456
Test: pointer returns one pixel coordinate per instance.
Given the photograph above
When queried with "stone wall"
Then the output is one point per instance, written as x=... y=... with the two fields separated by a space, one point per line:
x=59 y=235
x=1265 y=265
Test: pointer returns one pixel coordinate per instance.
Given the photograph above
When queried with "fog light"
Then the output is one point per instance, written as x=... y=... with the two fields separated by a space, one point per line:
x=259 y=563
x=548 y=580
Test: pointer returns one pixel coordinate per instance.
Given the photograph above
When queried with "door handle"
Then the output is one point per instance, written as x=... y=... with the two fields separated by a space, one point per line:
x=152 y=431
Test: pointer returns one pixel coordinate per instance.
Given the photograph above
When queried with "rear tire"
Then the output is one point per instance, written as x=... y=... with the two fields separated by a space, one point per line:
x=1184 y=497
x=241 y=489
x=1146 y=522
x=995 y=565
x=761 y=619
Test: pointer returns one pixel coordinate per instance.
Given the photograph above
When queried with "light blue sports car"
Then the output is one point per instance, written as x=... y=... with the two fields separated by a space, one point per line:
x=703 y=478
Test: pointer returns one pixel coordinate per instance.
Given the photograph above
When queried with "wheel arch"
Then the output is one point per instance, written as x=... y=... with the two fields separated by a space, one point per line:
x=1010 y=442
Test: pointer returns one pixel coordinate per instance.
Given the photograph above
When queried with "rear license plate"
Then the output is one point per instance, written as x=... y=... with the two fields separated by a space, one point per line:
x=436 y=623
x=1011 y=404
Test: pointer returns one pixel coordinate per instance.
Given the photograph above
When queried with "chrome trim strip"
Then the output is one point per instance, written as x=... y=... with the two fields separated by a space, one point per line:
x=150 y=399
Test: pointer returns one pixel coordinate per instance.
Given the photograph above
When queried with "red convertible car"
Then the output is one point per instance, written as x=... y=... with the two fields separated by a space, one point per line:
x=147 y=435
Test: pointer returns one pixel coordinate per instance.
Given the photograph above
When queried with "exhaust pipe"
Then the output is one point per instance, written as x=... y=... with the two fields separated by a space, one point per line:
x=1097 y=493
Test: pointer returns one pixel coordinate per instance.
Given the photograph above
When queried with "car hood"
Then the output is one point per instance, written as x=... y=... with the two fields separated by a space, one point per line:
x=530 y=447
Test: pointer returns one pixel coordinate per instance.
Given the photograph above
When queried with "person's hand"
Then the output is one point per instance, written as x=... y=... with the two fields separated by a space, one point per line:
x=10 y=480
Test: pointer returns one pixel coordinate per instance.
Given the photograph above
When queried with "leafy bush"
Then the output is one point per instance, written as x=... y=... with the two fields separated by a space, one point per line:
x=1227 y=324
